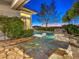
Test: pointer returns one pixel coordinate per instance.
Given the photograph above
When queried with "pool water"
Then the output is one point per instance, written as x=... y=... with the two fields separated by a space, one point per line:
x=39 y=42
x=36 y=43
x=39 y=48
x=49 y=35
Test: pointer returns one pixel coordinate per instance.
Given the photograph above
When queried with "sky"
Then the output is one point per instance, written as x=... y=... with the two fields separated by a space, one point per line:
x=61 y=7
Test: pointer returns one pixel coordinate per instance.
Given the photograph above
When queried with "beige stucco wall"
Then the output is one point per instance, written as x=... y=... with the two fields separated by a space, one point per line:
x=27 y=20
x=28 y=23
x=5 y=9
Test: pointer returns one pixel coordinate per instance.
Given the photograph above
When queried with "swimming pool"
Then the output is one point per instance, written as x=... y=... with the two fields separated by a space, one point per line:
x=48 y=36
x=36 y=43
x=40 y=47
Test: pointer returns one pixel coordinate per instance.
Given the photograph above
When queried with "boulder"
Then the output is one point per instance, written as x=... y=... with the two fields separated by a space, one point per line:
x=60 y=54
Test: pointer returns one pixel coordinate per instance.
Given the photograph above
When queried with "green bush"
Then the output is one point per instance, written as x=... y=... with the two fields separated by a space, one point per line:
x=13 y=27
x=45 y=28
x=72 y=29
x=27 y=33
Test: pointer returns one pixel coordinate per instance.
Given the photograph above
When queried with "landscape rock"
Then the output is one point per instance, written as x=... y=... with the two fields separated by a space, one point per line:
x=60 y=54
x=13 y=52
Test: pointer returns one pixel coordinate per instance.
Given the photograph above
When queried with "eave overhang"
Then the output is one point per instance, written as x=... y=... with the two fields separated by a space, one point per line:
x=18 y=3
x=27 y=11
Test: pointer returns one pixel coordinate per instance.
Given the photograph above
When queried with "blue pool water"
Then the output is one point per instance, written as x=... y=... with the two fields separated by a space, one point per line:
x=49 y=35
x=37 y=43
x=39 y=48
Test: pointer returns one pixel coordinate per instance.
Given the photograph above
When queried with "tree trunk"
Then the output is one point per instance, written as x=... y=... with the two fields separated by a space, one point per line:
x=46 y=25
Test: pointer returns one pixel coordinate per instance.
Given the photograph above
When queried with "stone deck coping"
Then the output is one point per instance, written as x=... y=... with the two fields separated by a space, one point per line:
x=15 y=41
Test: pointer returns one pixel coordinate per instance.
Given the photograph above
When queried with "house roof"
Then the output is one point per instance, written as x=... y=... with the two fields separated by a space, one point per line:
x=6 y=10
x=16 y=4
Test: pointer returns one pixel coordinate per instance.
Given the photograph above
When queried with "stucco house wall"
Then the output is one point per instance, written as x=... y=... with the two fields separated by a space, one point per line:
x=5 y=9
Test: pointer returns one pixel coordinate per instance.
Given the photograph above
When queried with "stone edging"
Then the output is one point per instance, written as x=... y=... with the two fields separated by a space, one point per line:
x=15 y=41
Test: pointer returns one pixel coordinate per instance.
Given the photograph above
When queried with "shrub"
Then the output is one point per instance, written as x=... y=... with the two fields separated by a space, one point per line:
x=27 y=33
x=72 y=29
x=45 y=28
x=13 y=27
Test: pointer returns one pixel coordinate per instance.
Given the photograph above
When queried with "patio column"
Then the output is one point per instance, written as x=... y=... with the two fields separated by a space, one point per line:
x=26 y=18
